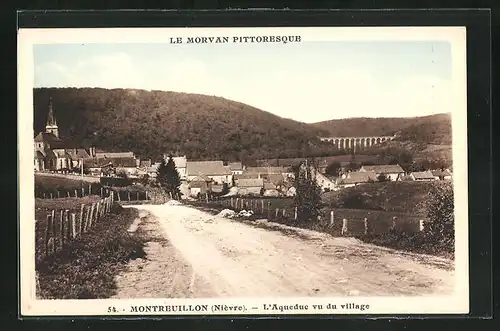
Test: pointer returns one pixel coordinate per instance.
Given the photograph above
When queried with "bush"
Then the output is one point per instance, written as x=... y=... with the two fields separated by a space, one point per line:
x=115 y=181
x=440 y=226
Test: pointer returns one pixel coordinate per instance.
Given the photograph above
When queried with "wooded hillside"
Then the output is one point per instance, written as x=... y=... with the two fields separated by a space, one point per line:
x=415 y=127
x=151 y=123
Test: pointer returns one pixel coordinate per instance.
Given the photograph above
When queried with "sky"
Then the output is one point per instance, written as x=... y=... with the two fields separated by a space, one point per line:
x=310 y=81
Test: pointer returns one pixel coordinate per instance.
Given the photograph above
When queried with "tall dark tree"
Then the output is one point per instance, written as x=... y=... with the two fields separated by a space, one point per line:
x=308 y=193
x=168 y=177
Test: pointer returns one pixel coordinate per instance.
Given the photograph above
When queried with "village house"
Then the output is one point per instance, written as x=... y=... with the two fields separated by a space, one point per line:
x=250 y=186
x=356 y=178
x=264 y=172
x=78 y=155
x=422 y=176
x=442 y=174
x=214 y=170
x=200 y=185
x=393 y=172
x=236 y=168
x=270 y=190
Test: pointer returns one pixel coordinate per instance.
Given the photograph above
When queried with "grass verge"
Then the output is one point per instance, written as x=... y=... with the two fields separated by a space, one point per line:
x=87 y=267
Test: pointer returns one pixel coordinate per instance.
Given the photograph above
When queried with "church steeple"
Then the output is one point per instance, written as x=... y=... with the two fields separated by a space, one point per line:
x=51 y=126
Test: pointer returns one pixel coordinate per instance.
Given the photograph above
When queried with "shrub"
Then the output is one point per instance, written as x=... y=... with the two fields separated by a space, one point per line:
x=440 y=226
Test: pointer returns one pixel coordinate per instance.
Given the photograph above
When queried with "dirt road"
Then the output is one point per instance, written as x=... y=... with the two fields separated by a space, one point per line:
x=194 y=254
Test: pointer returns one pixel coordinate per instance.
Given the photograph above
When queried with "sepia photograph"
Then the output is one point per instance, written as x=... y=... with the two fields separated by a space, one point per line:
x=243 y=171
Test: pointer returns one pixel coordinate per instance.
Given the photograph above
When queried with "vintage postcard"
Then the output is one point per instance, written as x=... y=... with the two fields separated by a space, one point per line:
x=243 y=171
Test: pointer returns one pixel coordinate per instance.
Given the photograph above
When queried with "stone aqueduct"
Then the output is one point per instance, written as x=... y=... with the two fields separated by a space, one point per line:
x=356 y=142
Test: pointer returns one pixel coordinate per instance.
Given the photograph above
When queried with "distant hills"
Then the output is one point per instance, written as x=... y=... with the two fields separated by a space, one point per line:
x=151 y=123
x=413 y=127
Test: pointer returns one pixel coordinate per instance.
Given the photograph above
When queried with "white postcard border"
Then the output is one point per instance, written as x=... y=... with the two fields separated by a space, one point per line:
x=30 y=306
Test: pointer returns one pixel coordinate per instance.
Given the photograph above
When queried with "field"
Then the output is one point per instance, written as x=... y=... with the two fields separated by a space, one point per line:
x=87 y=266
x=399 y=197
x=44 y=206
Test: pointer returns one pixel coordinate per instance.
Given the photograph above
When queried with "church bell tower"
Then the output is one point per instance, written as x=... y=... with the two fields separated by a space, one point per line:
x=51 y=126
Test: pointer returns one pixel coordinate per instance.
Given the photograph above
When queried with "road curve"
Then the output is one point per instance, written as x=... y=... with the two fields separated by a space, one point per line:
x=209 y=256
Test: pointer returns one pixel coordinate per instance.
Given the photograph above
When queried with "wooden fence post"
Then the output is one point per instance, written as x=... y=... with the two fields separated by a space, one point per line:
x=90 y=189
x=262 y=207
x=344 y=226
x=83 y=191
x=421 y=225
x=73 y=225
x=101 y=192
x=146 y=195
x=97 y=211
x=51 y=195
x=332 y=220
x=295 y=214
x=206 y=196
x=81 y=219
x=91 y=218
x=137 y=194
x=65 y=228
x=277 y=209
x=118 y=195
x=284 y=212
x=61 y=228
x=394 y=219
x=76 y=193
x=54 y=234
x=67 y=193
x=58 y=194
x=48 y=231
x=366 y=225
x=87 y=220
x=128 y=194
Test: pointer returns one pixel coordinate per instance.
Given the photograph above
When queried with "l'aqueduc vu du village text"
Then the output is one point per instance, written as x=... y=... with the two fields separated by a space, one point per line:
x=151 y=194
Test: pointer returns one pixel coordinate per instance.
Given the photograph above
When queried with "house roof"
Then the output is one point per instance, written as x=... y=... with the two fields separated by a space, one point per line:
x=276 y=179
x=116 y=162
x=266 y=170
x=60 y=153
x=269 y=186
x=145 y=163
x=180 y=161
x=383 y=169
x=235 y=166
x=253 y=182
x=114 y=155
x=78 y=153
x=423 y=175
x=201 y=178
x=356 y=177
x=246 y=176
x=197 y=184
x=441 y=173
x=209 y=168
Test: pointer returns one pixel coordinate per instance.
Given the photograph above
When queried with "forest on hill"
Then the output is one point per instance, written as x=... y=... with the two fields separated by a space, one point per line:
x=151 y=123
x=414 y=127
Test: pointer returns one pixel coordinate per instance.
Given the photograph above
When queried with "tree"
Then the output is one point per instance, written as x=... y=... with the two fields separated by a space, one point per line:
x=440 y=226
x=308 y=194
x=333 y=168
x=168 y=177
x=225 y=189
x=382 y=178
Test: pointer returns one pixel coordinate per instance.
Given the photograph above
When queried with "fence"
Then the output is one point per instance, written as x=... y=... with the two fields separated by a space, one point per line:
x=86 y=178
x=62 y=226
x=92 y=189
x=333 y=221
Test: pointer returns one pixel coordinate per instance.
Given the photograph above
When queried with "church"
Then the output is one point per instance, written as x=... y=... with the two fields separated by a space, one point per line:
x=53 y=153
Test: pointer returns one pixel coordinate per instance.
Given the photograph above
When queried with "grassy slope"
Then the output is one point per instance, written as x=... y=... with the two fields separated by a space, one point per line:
x=402 y=197
x=156 y=122
x=87 y=267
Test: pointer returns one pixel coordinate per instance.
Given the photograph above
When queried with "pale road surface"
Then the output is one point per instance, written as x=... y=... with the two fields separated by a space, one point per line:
x=192 y=253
